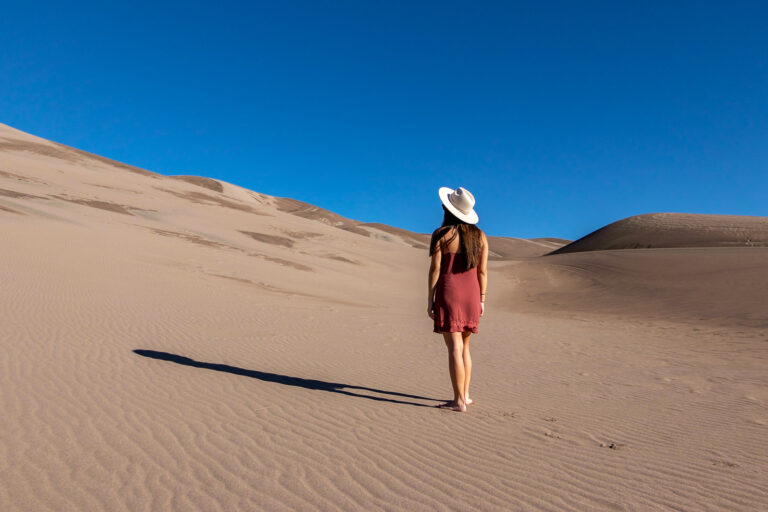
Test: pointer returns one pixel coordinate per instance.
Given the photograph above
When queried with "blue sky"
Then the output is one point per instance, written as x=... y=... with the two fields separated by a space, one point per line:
x=560 y=116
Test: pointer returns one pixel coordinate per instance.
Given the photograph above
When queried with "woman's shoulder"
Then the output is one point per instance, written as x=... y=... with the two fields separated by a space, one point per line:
x=483 y=238
x=478 y=231
x=441 y=232
x=442 y=237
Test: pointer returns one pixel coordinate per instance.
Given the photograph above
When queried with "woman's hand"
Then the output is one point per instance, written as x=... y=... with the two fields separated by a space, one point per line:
x=431 y=310
x=482 y=308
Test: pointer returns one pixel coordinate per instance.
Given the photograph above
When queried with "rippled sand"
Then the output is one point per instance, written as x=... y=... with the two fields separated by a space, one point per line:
x=186 y=344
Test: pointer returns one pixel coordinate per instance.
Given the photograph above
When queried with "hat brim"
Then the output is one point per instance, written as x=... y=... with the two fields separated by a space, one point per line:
x=469 y=218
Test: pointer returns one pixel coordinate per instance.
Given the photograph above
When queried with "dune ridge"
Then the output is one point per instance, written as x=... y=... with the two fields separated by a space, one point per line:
x=667 y=230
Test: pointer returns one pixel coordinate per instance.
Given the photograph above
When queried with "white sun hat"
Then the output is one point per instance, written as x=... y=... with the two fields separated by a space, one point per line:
x=459 y=202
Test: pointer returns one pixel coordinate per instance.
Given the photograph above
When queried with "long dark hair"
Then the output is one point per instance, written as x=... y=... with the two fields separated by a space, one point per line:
x=470 y=237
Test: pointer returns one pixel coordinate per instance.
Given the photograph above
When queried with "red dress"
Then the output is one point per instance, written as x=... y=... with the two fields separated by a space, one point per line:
x=457 y=297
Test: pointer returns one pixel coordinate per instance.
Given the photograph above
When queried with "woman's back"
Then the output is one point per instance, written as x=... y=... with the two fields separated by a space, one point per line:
x=453 y=257
x=457 y=297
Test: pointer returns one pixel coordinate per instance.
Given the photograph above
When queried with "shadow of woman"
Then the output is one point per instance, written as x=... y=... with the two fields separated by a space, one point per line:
x=333 y=387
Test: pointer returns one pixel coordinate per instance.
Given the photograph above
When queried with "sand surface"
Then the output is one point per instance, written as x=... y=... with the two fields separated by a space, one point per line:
x=180 y=343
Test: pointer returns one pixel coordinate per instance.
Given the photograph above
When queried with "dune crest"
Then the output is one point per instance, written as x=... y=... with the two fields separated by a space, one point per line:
x=664 y=230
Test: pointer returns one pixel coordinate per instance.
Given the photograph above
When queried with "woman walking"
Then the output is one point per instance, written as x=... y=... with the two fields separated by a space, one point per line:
x=457 y=284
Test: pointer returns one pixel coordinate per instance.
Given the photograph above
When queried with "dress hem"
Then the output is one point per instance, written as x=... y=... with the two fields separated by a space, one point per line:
x=439 y=329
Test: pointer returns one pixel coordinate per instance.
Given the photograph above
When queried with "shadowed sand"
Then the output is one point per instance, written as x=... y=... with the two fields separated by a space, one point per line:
x=269 y=239
x=156 y=357
x=208 y=183
x=319 y=385
x=718 y=286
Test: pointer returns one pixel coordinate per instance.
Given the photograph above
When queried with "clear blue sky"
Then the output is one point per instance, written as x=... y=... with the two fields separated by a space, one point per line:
x=559 y=116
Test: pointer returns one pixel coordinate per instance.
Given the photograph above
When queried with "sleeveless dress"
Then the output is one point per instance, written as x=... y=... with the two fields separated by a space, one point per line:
x=457 y=297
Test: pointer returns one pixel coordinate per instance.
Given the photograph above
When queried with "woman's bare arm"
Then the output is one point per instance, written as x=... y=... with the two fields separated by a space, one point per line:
x=482 y=270
x=434 y=275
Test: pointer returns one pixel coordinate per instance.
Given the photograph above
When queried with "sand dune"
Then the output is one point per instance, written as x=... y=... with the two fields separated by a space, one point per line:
x=659 y=230
x=180 y=343
x=711 y=268
x=504 y=248
x=208 y=183
x=718 y=286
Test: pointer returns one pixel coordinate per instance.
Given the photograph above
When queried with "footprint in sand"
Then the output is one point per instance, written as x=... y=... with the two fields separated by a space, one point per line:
x=612 y=446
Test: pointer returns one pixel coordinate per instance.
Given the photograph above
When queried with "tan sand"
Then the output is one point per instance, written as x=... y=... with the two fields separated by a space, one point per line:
x=170 y=346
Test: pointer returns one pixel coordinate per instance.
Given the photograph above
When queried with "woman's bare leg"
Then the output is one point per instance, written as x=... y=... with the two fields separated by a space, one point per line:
x=467 y=358
x=455 y=344
x=451 y=365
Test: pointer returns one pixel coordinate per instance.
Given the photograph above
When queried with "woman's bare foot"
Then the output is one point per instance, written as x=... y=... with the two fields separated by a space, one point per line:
x=469 y=401
x=454 y=405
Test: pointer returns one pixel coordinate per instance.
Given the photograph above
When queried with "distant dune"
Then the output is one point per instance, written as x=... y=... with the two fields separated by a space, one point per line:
x=183 y=343
x=725 y=286
x=502 y=248
x=662 y=230
x=711 y=268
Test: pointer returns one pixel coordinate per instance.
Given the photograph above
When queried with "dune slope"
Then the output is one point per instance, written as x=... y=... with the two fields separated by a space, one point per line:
x=726 y=286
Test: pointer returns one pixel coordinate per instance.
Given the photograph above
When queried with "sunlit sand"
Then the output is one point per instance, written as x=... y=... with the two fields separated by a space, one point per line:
x=181 y=343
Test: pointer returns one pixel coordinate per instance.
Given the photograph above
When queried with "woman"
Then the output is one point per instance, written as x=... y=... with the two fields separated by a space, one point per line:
x=457 y=283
